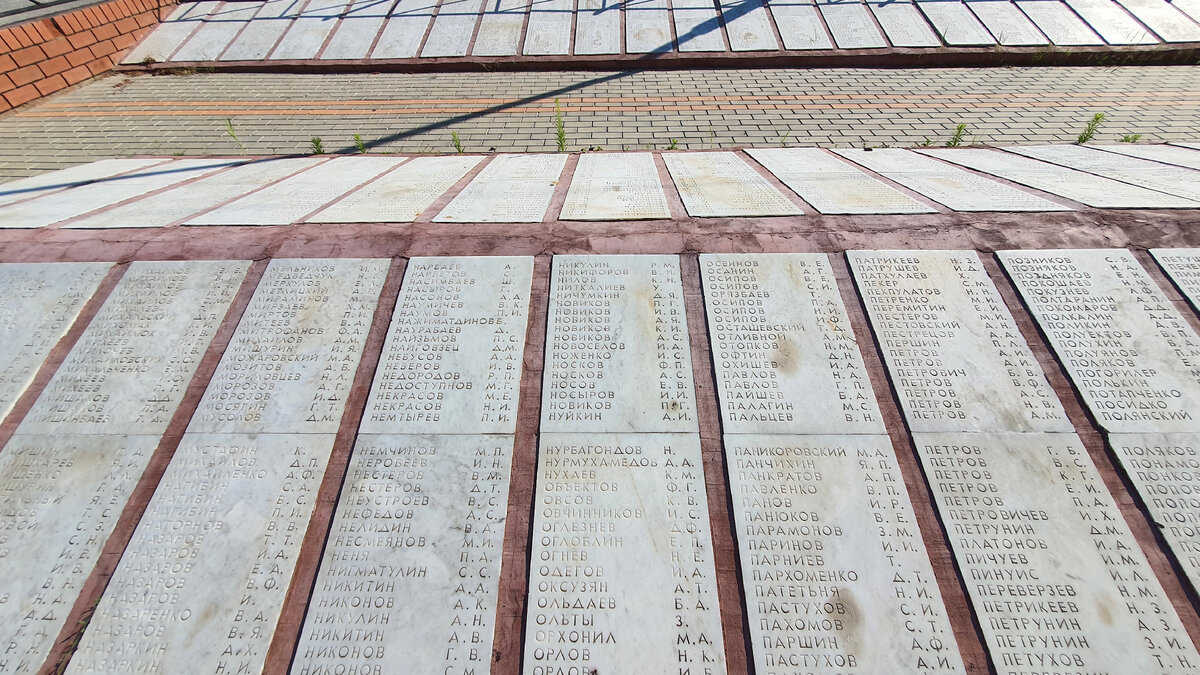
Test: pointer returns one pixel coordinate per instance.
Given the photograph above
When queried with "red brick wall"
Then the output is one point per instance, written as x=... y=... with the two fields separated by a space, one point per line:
x=44 y=56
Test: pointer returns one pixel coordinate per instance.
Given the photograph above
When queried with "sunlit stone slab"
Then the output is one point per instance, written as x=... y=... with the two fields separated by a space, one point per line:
x=1173 y=180
x=748 y=26
x=169 y=34
x=291 y=362
x=75 y=176
x=832 y=185
x=1167 y=154
x=356 y=32
x=955 y=23
x=800 y=25
x=452 y=29
x=1059 y=23
x=549 y=28
x=217 y=31
x=429 y=511
x=500 y=28
x=648 y=28
x=401 y=195
x=598 y=27
x=904 y=24
x=1130 y=353
x=1112 y=22
x=52 y=208
x=256 y=40
x=179 y=203
x=1007 y=23
x=1080 y=186
x=851 y=25
x=510 y=189
x=615 y=186
x=644 y=574
x=1049 y=563
x=200 y=586
x=1164 y=19
x=718 y=184
x=785 y=355
x=957 y=359
x=697 y=26
x=404 y=30
x=453 y=356
x=307 y=33
x=1189 y=7
x=38 y=304
x=945 y=184
x=60 y=497
x=850 y=524
x=1183 y=266
x=290 y=200
x=130 y=368
x=618 y=356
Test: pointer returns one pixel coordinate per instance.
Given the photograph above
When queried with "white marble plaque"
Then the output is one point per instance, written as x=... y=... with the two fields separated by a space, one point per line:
x=291 y=362
x=622 y=578
x=1167 y=154
x=201 y=584
x=290 y=200
x=1007 y=23
x=168 y=35
x=1189 y=7
x=1182 y=265
x=60 y=497
x=1164 y=19
x=851 y=25
x=1059 y=23
x=453 y=356
x=217 y=31
x=1080 y=186
x=697 y=26
x=833 y=564
x=405 y=28
x=955 y=23
x=615 y=186
x=39 y=303
x=721 y=184
x=785 y=356
x=308 y=32
x=618 y=357
x=1055 y=576
x=648 y=27
x=500 y=28
x=452 y=29
x=904 y=24
x=75 y=176
x=832 y=185
x=399 y=196
x=1131 y=354
x=748 y=25
x=800 y=25
x=256 y=40
x=597 y=27
x=410 y=575
x=549 y=28
x=510 y=189
x=1173 y=180
x=130 y=368
x=957 y=359
x=209 y=192
x=356 y=32
x=1112 y=22
x=949 y=185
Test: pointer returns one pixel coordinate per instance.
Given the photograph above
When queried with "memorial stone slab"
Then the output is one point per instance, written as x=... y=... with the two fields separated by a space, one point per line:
x=597 y=27
x=955 y=23
x=217 y=31
x=549 y=28
x=39 y=303
x=452 y=29
x=1194 y=146
x=832 y=185
x=410 y=574
x=75 y=176
x=623 y=577
x=1173 y=180
x=169 y=34
x=1182 y=265
x=179 y=203
x=618 y=357
x=785 y=356
x=356 y=32
x=1054 y=574
x=307 y=33
x=1007 y=23
x=1090 y=189
x=453 y=356
x=510 y=189
x=615 y=186
x=697 y=26
x=500 y=28
x=399 y=196
x=1131 y=354
x=1059 y=23
x=720 y=184
x=800 y=25
x=1167 y=154
x=291 y=362
x=904 y=24
x=130 y=368
x=1164 y=19
x=60 y=497
x=949 y=185
x=748 y=26
x=257 y=39
x=202 y=582
x=851 y=25
x=957 y=360
x=289 y=200
x=648 y=27
x=59 y=206
x=1188 y=7
x=1112 y=22
x=834 y=571
x=405 y=28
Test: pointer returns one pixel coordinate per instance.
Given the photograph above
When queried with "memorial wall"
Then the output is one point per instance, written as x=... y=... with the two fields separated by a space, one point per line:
x=898 y=461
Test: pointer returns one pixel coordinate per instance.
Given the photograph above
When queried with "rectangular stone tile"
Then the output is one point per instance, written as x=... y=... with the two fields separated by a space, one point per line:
x=1164 y=19
x=648 y=27
x=851 y=25
x=1007 y=23
x=75 y=176
x=453 y=357
x=179 y=203
x=748 y=26
x=355 y=33
x=697 y=26
x=785 y=356
x=1189 y=7
x=307 y=33
x=956 y=358
x=289 y=200
x=130 y=368
x=290 y=363
x=1182 y=265
x=800 y=25
x=399 y=196
x=1051 y=568
x=415 y=553
x=1173 y=180
x=1131 y=354
x=256 y=40
x=39 y=304
x=549 y=29
x=218 y=30
x=831 y=185
x=904 y=24
x=1059 y=23
x=1194 y=146
x=60 y=497
x=618 y=357
x=1166 y=154
x=510 y=189
x=1112 y=22
x=721 y=184
x=452 y=28
x=615 y=186
x=949 y=185
x=404 y=30
x=225 y=524
x=500 y=28
x=168 y=35
x=59 y=206
x=623 y=546
x=598 y=27
x=955 y=23
x=862 y=555
x=1095 y=191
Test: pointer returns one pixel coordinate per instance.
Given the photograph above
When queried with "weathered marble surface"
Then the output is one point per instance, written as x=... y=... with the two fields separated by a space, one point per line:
x=1182 y=265
x=721 y=184
x=1173 y=180
x=832 y=185
x=510 y=189
x=399 y=196
x=615 y=186
x=81 y=174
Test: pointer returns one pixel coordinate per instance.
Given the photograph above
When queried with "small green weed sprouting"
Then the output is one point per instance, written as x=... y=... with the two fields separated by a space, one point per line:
x=456 y=141
x=674 y=144
x=560 y=127
x=783 y=138
x=1090 y=130
x=358 y=143
x=957 y=138
x=1131 y=138
x=318 y=148
x=233 y=134
x=925 y=143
